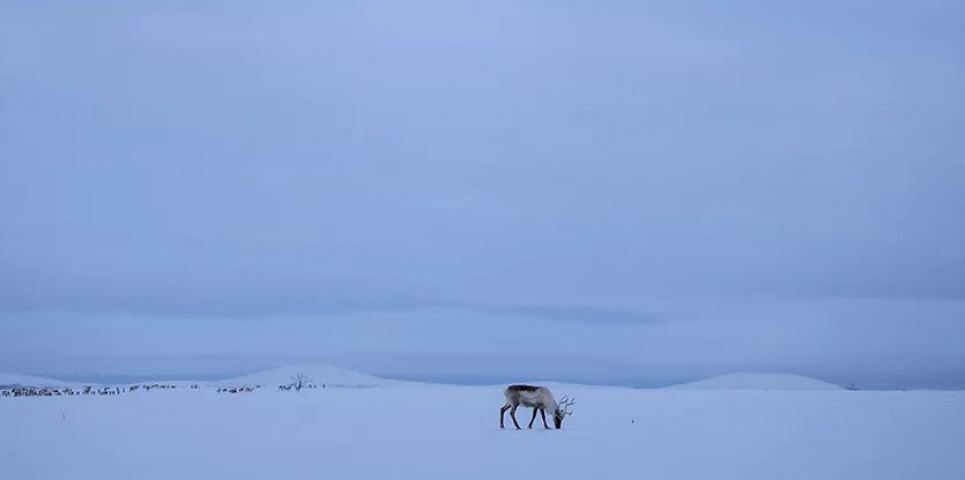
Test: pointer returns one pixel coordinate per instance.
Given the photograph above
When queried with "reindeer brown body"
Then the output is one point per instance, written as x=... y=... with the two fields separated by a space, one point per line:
x=540 y=399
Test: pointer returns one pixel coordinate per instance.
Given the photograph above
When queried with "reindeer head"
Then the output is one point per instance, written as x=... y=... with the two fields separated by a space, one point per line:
x=562 y=410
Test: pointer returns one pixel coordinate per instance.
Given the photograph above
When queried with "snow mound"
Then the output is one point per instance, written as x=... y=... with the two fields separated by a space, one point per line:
x=317 y=374
x=14 y=380
x=758 y=381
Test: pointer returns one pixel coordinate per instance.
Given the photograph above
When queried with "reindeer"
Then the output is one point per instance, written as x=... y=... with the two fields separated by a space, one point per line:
x=540 y=398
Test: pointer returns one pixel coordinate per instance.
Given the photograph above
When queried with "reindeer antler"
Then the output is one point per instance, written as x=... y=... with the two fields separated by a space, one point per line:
x=565 y=403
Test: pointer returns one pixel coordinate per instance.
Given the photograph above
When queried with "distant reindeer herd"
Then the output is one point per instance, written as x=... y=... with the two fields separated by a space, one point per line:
x=297 y=383
x=238 y=389
x=57 y=392
x=19 y=391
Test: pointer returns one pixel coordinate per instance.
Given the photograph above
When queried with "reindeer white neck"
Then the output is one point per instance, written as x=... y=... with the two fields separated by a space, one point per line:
x=549 y=401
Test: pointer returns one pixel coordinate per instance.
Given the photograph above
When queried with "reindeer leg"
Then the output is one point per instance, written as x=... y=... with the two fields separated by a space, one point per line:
x=542 y=413
x=502 y=414
x=512 y=413
x=534 y=417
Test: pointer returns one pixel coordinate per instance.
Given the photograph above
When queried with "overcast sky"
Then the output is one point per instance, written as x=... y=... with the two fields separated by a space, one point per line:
x=500 y=187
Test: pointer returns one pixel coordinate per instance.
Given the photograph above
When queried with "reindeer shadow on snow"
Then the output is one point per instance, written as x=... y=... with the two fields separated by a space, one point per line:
x=540 y=399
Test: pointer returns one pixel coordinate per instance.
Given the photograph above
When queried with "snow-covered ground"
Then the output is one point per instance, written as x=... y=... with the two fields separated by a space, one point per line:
x=403 y=430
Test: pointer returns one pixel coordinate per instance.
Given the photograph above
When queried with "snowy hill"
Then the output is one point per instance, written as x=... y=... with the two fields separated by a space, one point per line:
x=758 y=381
x=318 y=374
x=11 y=380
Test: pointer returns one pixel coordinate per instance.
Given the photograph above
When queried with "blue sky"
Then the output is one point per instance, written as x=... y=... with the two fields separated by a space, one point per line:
x=695 y=186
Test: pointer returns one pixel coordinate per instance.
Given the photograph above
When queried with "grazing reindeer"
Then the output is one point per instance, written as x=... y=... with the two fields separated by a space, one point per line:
x=540 y=398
